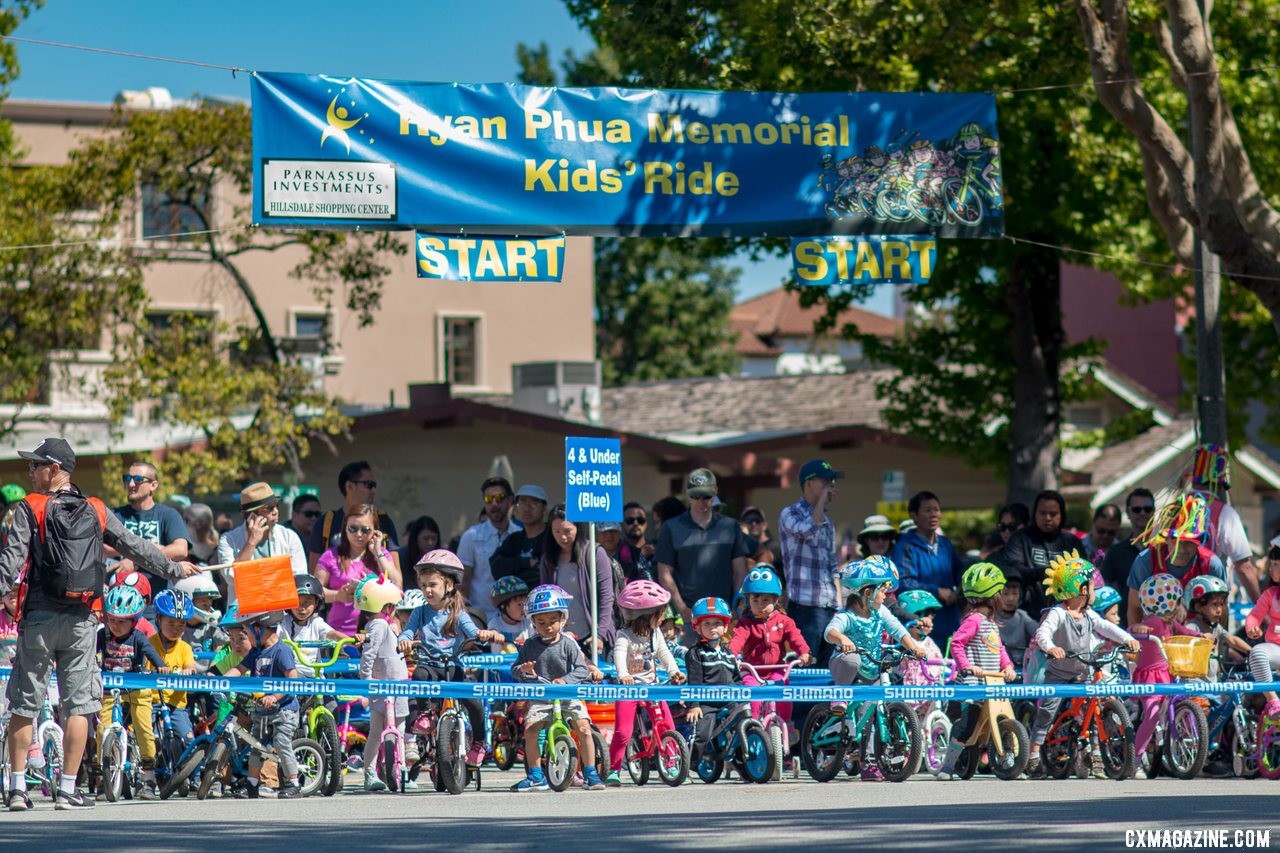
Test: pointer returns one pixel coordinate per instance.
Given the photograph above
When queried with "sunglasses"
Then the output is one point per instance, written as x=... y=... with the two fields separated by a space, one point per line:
x=702 y=498
x=638 y=519
x=353 y=529
x=1008 y=528
x=879 y=536
x=753 y=520
x=135 y=479
x=368 y=484
x=1149 y=508
x=311 y=513
x=496 y=499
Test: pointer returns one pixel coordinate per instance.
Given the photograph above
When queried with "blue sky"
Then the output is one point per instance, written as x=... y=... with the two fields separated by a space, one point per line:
x=434 y=40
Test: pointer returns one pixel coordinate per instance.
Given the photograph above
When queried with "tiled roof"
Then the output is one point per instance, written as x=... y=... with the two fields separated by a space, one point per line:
x=1119 y=459
x=749 y=343
x=746 y=404
x=778 y=314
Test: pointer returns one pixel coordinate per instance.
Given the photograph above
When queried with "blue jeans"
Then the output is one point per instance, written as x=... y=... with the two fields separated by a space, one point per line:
x=812 y=622
x=181 y=721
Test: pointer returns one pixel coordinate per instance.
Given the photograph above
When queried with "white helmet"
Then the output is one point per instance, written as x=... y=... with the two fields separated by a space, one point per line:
x=201 y=584
x=411 y=600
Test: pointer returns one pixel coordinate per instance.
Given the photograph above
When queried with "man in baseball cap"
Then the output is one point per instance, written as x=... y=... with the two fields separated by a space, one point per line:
x=807 y=539
x=52 y=451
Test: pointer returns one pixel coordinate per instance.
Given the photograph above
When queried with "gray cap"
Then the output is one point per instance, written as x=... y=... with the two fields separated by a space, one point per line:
x=606 y=526
x=531 y=491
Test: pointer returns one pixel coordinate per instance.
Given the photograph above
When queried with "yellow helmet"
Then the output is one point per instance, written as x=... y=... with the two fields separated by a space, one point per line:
x=1067 y=576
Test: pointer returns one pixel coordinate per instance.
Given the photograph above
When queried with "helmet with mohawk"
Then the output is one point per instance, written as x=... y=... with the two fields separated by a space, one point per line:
x=1067 y=576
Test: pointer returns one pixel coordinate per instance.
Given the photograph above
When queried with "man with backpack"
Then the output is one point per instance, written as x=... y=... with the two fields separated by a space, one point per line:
x=62 y=532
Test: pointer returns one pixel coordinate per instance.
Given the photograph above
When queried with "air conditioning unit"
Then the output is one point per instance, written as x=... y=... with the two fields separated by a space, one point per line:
x=559 y=389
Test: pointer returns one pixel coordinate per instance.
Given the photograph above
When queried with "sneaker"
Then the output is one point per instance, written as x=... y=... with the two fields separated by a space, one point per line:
x=591 y=779
x=410 y=786
x=65 y=801
x=149 y=792
x=372 y=782
x=948 y=776
x=535 y=781
x=475 y=755
x=411 y=753
x=245 y=791
x=19 y=801
x=613 y=780
x=101 y=796
x=289 y=791
x=1035 y=770
x=577 y=780
x=871 y=772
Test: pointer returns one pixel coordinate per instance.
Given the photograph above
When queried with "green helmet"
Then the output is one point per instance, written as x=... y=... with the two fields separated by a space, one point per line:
x=970 y=129
x=917 y=601
x=982 y=580
x=12 y=493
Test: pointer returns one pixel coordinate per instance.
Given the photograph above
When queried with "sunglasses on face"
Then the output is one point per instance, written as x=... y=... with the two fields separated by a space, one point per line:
x=879 y=537
x=134 y=479
x=496 y=499
x=635 y=519
x=353 y=529
x=1142 y=510
x=701 y=498
x=311 y=513
x=1007 y=528
x=368 y=484
x=754 y=520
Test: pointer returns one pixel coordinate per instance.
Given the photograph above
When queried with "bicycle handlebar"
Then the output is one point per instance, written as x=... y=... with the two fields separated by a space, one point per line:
x=1098 y=662
x=784 y=667
x=319 y=663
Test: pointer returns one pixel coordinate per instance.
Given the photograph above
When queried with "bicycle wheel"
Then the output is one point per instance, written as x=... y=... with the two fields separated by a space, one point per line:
x=777 y=747
x=962 y=202
x=505 y=743
x=898 y=755
x=602 y=753
x=672 y=760
x=451 y=757
x=637 y=765
x=1116 y=740
x=1059 y=750
x=822 y=743
x=214 y=766
x=184 y=768
x=4 y=763
x=1186 y=745
x=388 y=767
x=755 y=753
x=311 y=765
x=52 y=750
x=334 y=763
x=112 y=761
x=1017 y=750
x=967 y=762
x=1244 y=748
x=1269 y=752
x=561 y=761
x=936 y=729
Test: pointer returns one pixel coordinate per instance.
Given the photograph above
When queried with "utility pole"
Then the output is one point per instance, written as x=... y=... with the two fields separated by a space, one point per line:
x=1211 y=383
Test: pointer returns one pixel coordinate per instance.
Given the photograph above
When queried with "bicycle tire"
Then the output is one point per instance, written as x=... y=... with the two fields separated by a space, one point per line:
x=309 y=756
x=709 y=769
x=327 y=736
x=601 y=750
x=1186 y=744
x=965 y=214
x=387 y=769
x=936 y=729
x=967 y=762
x=672 y=760
x=1118 y=757
x=775 y=741
x=823 y=762
x=451 y=759
x=561 y=762
x=1244 y=750
x=904 y=739
x=112 y=763
x=52 y=749
x=1017 y=750
x=214 y=765
x=1059 y=750
x=1269 y=752
x=504 y=743
x=637 y=767
x=755 y=753
x=182 y=773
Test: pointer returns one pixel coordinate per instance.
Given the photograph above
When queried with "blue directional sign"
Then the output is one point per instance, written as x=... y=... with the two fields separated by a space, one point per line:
x=593 y=479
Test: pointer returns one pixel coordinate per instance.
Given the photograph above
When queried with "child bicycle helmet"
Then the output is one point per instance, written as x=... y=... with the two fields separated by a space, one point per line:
x=885 y=566
x=1203 y=586
x=443 y=561
x=547 y=598
x=640 y=597
x=411 y=600
x=137 y=580
x=761 y=580
x=175 y=604
x=12 y=493
x=1067 y=576
x=710 y=608
x=200 y=584
x=124 y=602
x=863 y=573
x=1105 y=600
x=310 y=585
x=982 y=581
x=505 y=589
x=917 y=601
x=231 y=618
x=1160 y=595
x=374 y=593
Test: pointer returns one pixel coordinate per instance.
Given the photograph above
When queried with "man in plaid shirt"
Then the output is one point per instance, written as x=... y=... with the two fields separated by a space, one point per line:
x=808 y=541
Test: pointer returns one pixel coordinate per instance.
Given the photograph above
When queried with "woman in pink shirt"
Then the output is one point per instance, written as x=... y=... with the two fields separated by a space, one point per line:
x=360 y=552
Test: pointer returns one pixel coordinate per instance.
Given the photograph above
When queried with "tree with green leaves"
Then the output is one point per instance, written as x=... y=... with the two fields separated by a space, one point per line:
x=983 y=376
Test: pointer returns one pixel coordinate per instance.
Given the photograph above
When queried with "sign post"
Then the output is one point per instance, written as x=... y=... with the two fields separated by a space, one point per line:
x=593 y=493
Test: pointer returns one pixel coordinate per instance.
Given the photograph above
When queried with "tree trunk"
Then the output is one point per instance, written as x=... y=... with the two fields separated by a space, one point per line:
x=1032 y=295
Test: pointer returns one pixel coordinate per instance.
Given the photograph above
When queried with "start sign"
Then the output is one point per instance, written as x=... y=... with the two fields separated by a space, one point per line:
x=593 y=479
x=489 y=258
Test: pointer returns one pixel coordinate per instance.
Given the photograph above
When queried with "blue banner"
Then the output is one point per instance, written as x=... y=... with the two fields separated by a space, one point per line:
x=825 y=261
x=461 y=258
x=593 y=479
x=506 y=159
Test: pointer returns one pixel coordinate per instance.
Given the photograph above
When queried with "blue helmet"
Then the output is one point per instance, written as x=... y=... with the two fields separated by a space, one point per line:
x=124 y=602
x=231 y=618
x=547 y=598
x=886 y=567
x=174 y=604
x=711 y=608
x=917 y=601
x=870 y=572
x=762 y=580
x=1105 y=600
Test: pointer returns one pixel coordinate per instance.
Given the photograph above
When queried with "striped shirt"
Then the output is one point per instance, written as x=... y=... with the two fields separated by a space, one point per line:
x=809 y=554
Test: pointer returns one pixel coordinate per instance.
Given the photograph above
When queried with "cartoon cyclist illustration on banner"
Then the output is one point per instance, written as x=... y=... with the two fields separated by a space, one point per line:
x=953 y=181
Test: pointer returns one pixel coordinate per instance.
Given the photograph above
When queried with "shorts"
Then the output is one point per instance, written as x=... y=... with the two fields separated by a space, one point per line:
x=70 y=641
x=541 y=712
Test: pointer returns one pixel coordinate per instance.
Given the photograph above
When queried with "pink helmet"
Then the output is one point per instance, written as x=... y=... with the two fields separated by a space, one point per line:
x=443 y=561
x=643 y=596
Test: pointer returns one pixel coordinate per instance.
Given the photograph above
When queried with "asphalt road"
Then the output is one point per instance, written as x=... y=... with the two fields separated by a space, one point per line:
x=921 y=813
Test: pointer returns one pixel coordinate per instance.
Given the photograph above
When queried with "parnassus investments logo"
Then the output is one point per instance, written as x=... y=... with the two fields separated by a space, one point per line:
x=339 y=121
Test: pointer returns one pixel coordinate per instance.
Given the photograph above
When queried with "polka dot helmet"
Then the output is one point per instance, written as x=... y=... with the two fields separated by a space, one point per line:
x=1160 y=595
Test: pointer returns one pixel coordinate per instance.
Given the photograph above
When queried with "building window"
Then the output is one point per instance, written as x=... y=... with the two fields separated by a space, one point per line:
x=162 y=217
x=159 y=322
x=460 y=350
x=310 y=325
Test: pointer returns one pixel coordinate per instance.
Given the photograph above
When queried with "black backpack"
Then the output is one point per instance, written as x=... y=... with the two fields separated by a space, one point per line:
x=67 y=560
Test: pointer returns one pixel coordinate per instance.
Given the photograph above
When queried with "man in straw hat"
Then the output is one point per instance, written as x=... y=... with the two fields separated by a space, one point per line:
x=63 y=533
